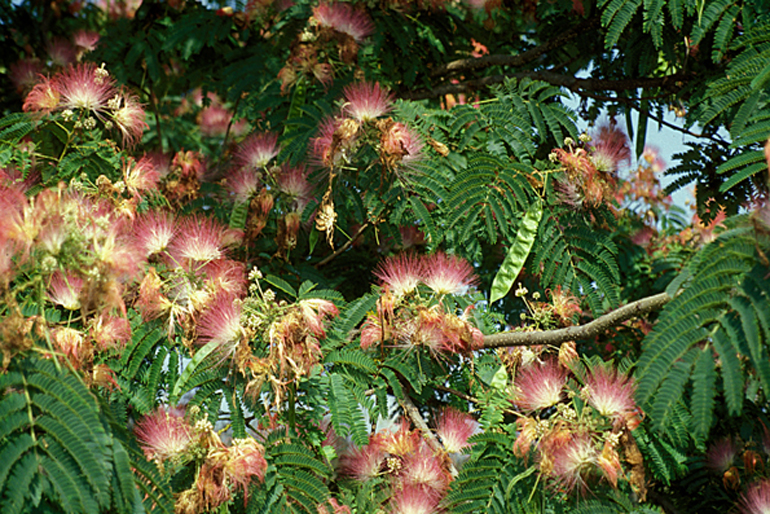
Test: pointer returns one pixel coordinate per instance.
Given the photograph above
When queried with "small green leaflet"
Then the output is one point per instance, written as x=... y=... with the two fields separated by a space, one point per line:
x=518 y=252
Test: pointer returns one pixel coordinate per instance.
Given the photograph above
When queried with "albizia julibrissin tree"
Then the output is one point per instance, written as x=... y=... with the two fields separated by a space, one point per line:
x=343 y=257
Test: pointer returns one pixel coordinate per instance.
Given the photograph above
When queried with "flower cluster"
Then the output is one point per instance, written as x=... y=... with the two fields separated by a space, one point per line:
x=406 y=319
x=418 y=476
x=172 y=438
x=86 y=96
x=362 y=120
x=591 y=166
x=576 y=444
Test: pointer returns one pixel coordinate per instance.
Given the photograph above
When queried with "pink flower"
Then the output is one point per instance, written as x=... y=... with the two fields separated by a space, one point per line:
x=44 y=97
x=413 y=500
x=446 y=274
x=610 y=392
x=293 y=182
x=363 y=463
x=245 y=460
x=140 y=176
x=61 y=52
x=401 y=273
x=539 y=386
x=199 y=239
x=399 y=145
x=757 y=499
x=338 y=508
x=226 y=276
x=128 y=116
x=83 y=86
x=335 y=143
x=221 y=323
x=610 y=149
x=574 y=461
x=243 y=184
x=721 y=454
x=314 y=311
x=110 y=331
x=154 y=230
x=24 y=74
x=454 y=428
x=342 y=17
x=366 y=101
x=214 y=120
x=164 y=435
x=65 y=290
x=85 y=40
x=257 y=150
x=423 y=468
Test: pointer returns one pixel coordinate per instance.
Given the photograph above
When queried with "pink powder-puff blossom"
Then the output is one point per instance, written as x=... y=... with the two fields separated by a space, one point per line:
x=64 y=290
x=448 y=274
x=227 y=276
x=243 y=183
x=399 y=145
x=401 y=273
x=61 y=52
x=43 y=98
x=413 y=500
x=424 y=468
x=24 y=74
x=610 y=149
x=454 y=428
x=293 y=183
x=85 y=41
x=366 y=101
x=757 y=499
x=221 y=323
x=364 y=463
x=84 y=86
x=154 y=230
x=610 y=392
x=721 y=454
x=337 y=140
x=140 y=176
x=199 y=239
x=314 y=312
x=343 y=18
x=540 y=385
x=164 y=435
x=110 y=332
x=257 y=150
x=128 y=116
x=574 y=462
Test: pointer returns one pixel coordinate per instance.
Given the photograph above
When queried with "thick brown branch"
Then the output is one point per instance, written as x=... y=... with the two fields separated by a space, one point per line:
x=475 y=63
x=670 y=82
x=414 y=415
x=591 y=329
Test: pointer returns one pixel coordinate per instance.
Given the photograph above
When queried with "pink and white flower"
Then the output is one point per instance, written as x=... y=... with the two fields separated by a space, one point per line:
x=84 y=86
x=448 y=274
x=257 y=150
x=199 y=239
x=366 y=101
x=164 y=435
x=540 y=385
x=610 y=392
x=154 y=231
x=454 y=428
x=401 y=273
x=757 y=499
x=342 y=17
x=221 y=323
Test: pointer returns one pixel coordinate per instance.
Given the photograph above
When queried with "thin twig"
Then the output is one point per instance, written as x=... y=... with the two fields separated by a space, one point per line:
x=591 y=329
x=344 y=247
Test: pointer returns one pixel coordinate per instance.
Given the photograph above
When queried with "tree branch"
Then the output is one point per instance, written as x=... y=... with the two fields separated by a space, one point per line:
x=670 y=82
x=475 y=63
x=344 y=247
x=590 y=329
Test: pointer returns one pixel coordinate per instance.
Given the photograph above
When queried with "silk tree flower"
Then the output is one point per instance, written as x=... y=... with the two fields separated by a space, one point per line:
x=85 y=41
x=574 y=462
x=343 y=18
x=364 y=463
x=221 y=323
x=721 y=454
x=293 y=183
x=226 y=276
x=337 y=140
x=243 y=183
x=413 y=500
x=24 y=74
x=165 y=435
x=128 y=116
x=199 y=239
x=61 y=52
x=154 y=230
x=756 y=500
x=448 y=274
x=257 y=150
x=424 y=469
x=401 y=273
x=366 y=101
x=610 y=149
x=454 y=428
x=140 y=176
x=610 y=392
x=110 y=331
x=540 y=385
x=399 y=145
x=43 y=98
x=84 y=86
x=315 y=311
x=64 y=289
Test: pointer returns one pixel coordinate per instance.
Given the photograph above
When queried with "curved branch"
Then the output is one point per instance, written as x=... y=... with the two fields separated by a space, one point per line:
x=590 y=329
x=670 y=82
x=475 y=63
x=344 y=247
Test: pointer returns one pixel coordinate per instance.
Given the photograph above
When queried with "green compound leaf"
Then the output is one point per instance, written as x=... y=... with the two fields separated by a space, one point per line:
x=518 y=252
